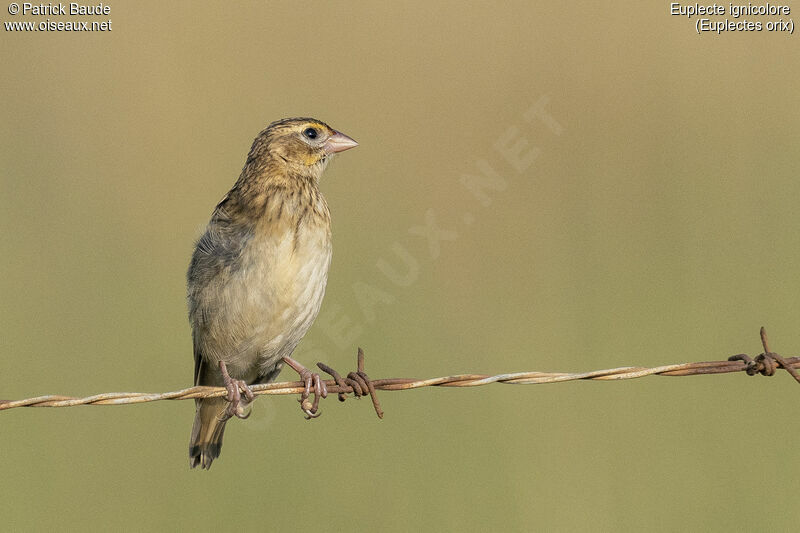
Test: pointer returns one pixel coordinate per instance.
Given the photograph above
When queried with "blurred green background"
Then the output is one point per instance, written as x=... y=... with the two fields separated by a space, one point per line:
x=659 y=226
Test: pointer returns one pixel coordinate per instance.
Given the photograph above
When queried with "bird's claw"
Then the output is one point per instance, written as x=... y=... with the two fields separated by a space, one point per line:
x=235 y=388
x=313 y=383
x=234 y=397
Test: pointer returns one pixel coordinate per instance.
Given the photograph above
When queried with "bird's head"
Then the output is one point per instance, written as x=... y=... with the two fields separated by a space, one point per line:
x=297 y=146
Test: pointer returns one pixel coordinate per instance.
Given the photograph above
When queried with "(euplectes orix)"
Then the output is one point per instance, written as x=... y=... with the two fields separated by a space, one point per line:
x=258 y=273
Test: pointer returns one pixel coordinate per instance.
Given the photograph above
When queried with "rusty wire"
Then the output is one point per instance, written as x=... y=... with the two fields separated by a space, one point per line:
x=359 y=384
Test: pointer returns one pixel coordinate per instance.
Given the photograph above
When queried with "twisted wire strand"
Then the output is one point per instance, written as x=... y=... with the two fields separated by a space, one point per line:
x=765 y=364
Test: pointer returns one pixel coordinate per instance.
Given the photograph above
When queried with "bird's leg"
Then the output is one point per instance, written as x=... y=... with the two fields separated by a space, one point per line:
x=309 y=379
x=235 y=387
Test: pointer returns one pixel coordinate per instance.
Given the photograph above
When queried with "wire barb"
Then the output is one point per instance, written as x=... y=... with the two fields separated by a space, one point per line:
x=359 y=384
x=765 y=363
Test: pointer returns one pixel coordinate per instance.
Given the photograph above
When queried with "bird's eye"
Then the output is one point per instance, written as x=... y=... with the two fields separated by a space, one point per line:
x=311 y=133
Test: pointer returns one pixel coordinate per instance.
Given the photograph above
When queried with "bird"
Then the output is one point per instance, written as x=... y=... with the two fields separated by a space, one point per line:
x=257 y=276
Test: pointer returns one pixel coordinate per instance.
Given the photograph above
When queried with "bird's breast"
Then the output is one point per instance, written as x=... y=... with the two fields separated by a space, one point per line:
x=272 y=297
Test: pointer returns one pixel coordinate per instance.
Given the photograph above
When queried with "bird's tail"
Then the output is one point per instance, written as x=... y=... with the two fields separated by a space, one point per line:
x=209 y=425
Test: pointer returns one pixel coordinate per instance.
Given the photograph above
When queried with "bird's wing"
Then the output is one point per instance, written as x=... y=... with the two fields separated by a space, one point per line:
x=198 y=365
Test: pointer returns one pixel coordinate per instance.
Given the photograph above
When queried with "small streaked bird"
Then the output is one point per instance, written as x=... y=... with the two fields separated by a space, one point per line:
x=258 y=274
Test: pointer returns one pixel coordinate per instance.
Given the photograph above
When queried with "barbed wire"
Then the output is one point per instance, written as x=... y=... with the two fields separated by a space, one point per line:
x=359 y=384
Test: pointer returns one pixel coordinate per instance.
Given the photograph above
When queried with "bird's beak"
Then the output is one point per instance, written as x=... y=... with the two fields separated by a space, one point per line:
x=338 y=142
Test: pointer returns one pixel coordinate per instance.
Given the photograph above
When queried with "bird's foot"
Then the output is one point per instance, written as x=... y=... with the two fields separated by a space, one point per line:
x=311 y=381
x=235 y=389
